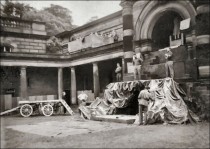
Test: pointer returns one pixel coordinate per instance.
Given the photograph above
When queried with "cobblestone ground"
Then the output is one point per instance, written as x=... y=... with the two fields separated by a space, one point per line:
x=66 y=131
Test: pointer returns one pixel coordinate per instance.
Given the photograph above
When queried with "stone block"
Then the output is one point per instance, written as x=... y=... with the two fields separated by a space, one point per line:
x=39 y=41
x=29 y=40
x=26 y=31
x=43 y=45
x=36 y=26
x=157 y=70
x=16 y=50
x=42 y=51
x=39 y=32
x=128 y=77
x=24 y=43
x=29 y=47
x=16 y=42
x=38 y=47
x=20 y=46
x=19 y=99
x=33 y=44
x=34 y=51
x=179 y=69
x=10 y=38
x=8 y=102
x=14 y=102
x=204 y=71
x=39 y=98
x=32 y=98
x=19 y=39
x=25 y=50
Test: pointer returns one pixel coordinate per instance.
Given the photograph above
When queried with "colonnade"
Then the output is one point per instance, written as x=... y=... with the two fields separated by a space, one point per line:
x=73 y=86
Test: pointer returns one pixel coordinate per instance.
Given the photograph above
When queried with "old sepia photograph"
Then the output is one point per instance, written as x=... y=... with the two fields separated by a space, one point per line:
x=105 y=74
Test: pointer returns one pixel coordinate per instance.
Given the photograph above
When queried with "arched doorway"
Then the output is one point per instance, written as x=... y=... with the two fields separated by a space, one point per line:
x=167 y=25
x=150 y=17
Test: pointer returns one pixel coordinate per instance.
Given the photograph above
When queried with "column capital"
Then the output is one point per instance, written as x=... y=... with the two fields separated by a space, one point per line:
x=23 y=67
x=127 y=3
x=95 y=63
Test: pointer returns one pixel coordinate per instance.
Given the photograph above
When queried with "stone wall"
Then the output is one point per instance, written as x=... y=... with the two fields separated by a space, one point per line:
x=153 y=66
x=26 y=45
x=42 y=81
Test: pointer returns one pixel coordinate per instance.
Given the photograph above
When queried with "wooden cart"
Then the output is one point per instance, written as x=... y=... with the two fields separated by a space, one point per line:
x=45 y=107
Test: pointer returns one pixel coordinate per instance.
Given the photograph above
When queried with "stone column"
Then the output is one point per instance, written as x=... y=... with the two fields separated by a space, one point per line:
x=73 y=86
x=127 y=14
x=23 y=83
x=96 y=83
x=60 y=82
x=123 y=68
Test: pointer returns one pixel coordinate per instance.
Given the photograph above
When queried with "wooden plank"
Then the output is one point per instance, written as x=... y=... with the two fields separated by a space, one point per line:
x=85 y=111
x=67 y=106
x=41 y=101
x=8 y=111
x=127 y=119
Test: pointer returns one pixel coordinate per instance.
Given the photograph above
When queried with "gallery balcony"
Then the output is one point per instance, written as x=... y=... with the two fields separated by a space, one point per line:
x=93 y=40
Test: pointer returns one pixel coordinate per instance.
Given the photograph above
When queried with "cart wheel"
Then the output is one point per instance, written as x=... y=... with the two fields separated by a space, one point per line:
x=47 y=110
x=26 y=110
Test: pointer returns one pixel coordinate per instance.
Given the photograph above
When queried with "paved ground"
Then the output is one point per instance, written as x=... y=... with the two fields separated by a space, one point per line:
x=72 y=131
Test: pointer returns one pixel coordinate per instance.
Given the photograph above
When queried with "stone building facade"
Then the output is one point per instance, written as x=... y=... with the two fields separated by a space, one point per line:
x=90 y=52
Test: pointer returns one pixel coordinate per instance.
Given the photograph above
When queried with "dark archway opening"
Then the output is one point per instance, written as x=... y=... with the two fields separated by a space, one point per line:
x=167 y=25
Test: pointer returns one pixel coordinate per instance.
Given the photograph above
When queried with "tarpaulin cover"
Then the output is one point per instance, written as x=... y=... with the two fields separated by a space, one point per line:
x=167 y=101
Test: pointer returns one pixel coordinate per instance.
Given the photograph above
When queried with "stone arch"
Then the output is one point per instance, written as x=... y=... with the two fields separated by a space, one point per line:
x=154 y=10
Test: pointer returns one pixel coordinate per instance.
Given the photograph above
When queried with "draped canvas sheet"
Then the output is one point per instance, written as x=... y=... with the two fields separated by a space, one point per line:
x=167 y=102
x=118 y=93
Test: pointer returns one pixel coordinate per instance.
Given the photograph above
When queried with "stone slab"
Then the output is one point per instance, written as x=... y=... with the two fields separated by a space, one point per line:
x=127 y=119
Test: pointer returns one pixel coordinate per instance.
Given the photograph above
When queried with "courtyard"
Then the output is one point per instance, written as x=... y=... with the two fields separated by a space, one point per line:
x=65 y=131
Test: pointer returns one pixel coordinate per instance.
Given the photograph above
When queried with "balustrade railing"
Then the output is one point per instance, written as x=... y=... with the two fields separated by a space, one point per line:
x=15 y=23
